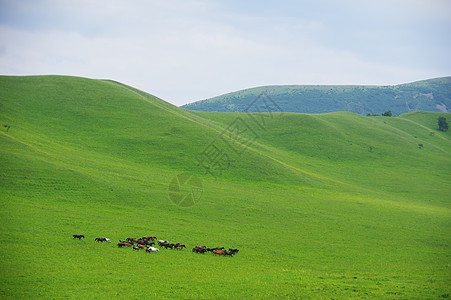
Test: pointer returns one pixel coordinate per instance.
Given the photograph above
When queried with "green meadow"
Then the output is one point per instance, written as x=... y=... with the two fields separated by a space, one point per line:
x=332 y=205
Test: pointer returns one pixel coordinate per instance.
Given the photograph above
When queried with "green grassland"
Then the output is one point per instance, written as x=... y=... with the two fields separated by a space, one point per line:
x=426 y=95
x=321 y=206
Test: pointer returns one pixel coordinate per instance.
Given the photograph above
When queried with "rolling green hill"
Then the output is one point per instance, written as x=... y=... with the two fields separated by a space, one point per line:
x=427 y=95
x=325 y=206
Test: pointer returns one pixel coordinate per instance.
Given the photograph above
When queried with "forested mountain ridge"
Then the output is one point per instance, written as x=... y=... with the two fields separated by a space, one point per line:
x=426 y=95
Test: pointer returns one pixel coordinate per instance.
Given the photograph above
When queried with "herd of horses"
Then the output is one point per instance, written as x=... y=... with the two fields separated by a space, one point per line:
x=149 y=241
x=215 y=251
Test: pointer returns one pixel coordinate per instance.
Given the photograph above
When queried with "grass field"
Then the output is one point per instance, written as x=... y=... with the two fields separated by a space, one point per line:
x=321 y=206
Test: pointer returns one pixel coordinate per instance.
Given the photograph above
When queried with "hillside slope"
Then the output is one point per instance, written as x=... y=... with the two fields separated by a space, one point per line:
x=330 y=205
x=427 y=95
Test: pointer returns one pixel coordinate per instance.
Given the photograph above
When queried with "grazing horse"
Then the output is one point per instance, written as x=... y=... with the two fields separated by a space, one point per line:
x=152 y=249
x=122 y=244
x=133 y=240
x=78 y=236
x=219 y=252
x=162 y=243
x=234 y=251
x=199 y=250
x=180 y=247
x=170 y=246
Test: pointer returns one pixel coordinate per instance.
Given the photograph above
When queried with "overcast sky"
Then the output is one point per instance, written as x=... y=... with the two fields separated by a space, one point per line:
x=183 y=51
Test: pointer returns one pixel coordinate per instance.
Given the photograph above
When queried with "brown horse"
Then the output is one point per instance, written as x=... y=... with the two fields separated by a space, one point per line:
x=122 y=244
x=219 y=252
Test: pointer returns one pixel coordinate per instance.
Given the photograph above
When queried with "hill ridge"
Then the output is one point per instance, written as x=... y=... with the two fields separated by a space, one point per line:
x=426 y=95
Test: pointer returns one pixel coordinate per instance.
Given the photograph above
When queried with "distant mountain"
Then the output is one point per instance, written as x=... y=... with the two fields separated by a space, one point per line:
x=426 y=95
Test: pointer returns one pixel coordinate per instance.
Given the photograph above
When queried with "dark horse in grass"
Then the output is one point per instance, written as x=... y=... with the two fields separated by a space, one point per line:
x=102 y=240
x=78 y=236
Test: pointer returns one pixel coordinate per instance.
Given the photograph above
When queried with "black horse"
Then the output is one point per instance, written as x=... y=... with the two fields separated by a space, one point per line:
x=199 y=250
x=78 y=236
x=170 y=246
x=234 y=251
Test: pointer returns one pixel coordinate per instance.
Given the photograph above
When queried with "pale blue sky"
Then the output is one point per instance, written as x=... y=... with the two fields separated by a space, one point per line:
x=182 y=51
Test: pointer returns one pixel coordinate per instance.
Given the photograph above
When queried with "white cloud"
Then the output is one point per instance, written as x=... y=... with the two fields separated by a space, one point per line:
x=183 y=51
